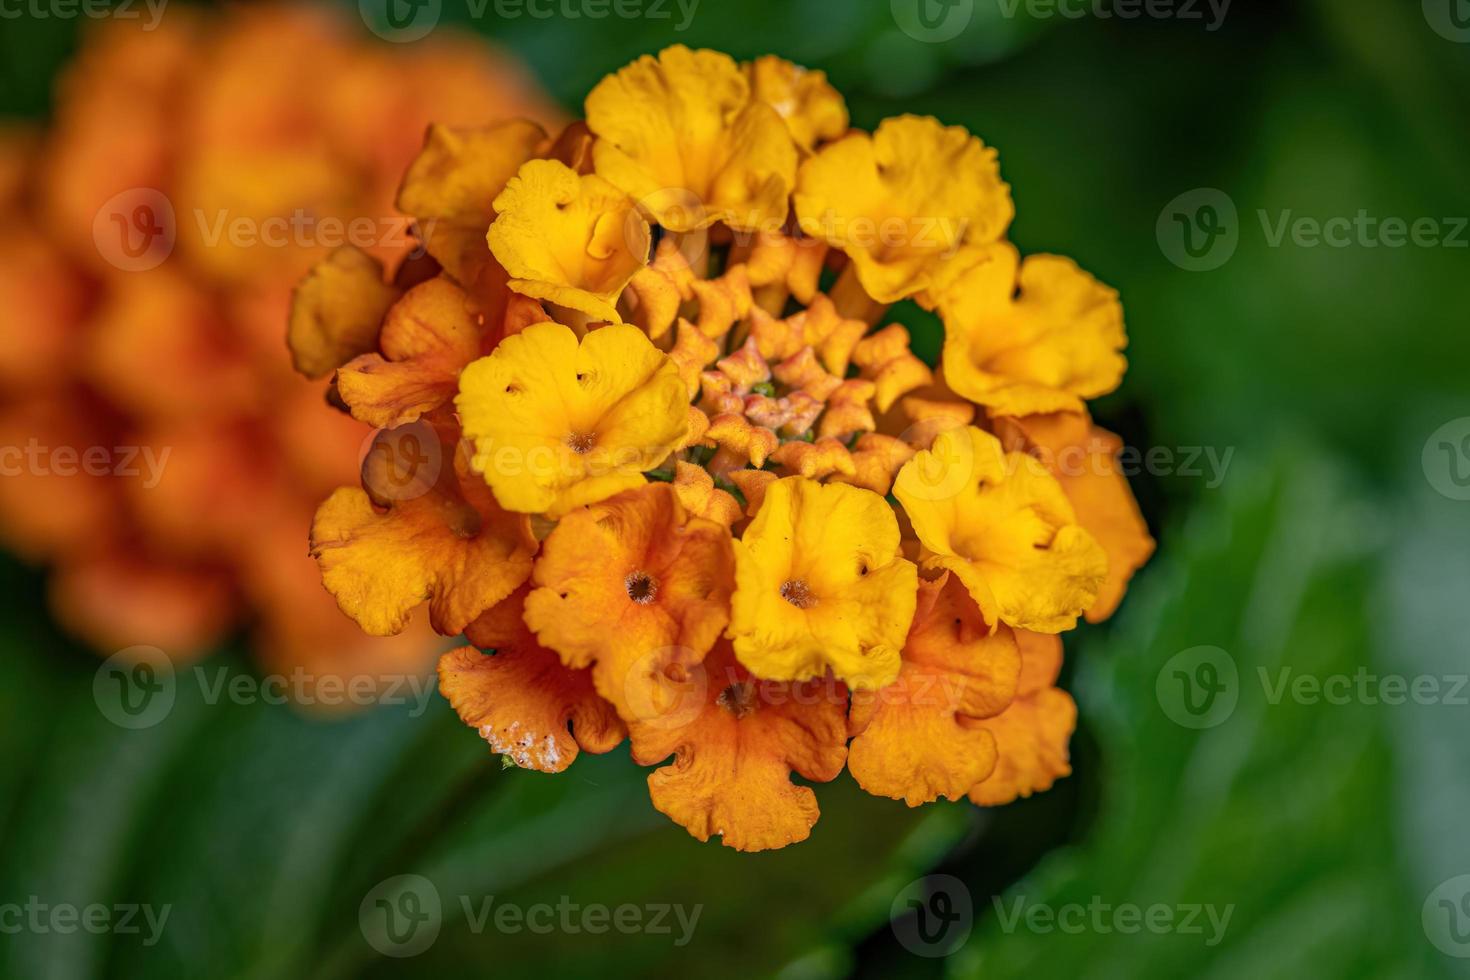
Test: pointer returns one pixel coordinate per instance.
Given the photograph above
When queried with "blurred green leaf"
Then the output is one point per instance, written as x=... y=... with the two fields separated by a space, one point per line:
x=1286 y=814
x=262 y=831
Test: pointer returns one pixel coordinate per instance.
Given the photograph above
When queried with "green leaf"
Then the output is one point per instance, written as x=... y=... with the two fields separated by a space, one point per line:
x=1282 y=816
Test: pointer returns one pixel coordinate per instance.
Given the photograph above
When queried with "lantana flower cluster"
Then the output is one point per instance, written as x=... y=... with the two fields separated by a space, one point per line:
x=648 y=440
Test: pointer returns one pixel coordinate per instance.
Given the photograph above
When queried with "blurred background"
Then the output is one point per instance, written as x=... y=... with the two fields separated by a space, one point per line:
x=1272 y=766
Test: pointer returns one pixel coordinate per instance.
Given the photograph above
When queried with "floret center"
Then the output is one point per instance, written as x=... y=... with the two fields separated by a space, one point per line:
x=796 y=592
x=641 y=587
x=738 y=699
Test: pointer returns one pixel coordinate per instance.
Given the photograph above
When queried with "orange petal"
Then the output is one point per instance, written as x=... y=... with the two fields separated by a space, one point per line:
x=693 y=352
x=877 y=459
x=521 y=699
x=428 y=338
x=629 y=585
x=655 y=292
x=161 y=349
x=912 y=743
x=752 y=485
x=451 y=188
x=886 y=359
x=722 y=301
x=44 y=299
x=337 y=310
x=735 y=741
x=1031 y=735
x=734 y=434
x=699 y=495
x=461 y=553
x=815 y=460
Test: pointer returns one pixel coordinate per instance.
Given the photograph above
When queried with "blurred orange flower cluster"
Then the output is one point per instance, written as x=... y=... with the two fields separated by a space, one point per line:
x=158 y=451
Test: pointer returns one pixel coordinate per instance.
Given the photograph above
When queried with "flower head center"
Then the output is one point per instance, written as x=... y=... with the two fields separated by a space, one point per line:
x=642 y=587
x=796 y=592
x=581 y=442
x=738 y=699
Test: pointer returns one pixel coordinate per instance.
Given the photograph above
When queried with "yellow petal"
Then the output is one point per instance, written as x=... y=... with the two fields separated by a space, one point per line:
x=571 y=240
x=681 y=135
x=1032 y=337
x=819 y=585
x=812 y=108
x=1084 y=459
x=557 y=424
x=1001 y=523
x=902 y=201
